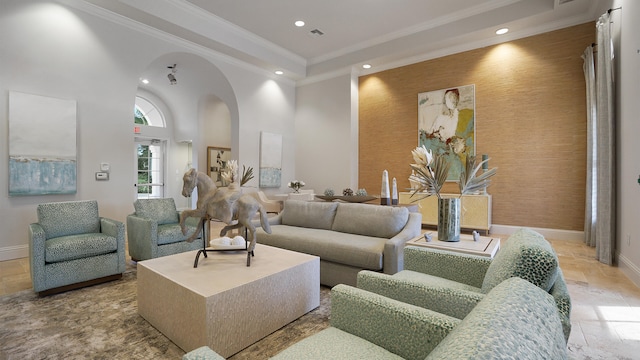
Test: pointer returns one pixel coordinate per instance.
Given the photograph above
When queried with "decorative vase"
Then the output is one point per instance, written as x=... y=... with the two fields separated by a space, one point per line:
x=296 y=190
x=449 y=219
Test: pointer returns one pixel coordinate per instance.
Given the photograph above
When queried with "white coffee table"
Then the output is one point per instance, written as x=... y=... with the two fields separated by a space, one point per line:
x=485 y=246
x=223 y=303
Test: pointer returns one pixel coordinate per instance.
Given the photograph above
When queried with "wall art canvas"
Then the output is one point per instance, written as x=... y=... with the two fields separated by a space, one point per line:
x=270 y=160
x=217 y=158
x=446 y=125
x=42 y=145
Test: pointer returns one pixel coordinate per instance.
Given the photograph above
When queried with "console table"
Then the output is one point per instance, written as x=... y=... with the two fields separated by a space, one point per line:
x=474 y=215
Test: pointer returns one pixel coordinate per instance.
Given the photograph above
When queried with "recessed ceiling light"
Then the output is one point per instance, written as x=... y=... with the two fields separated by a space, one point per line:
x=299 y=23
x=366 y=66
x=279 y=72
x=502 y=31
x=145 y=81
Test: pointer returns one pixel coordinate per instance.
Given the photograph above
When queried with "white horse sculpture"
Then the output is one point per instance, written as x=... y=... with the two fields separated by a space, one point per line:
x=228 y=205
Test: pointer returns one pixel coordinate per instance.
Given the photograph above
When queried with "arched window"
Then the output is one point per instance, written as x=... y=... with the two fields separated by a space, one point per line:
x=145 y=113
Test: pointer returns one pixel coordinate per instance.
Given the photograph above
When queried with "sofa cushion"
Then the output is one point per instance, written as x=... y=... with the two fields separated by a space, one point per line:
x=516 y=319
x=354 y=250
x=80 y=246
x=309 y=214
x=161 y=210
x=332 y=343
x=171 y=233
x=370 y=220
x=527 y=255
x=69 y=218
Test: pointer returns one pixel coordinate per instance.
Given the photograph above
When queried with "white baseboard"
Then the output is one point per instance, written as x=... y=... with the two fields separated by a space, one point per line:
x=554 y=234
x=629 y=269
x=14 y=252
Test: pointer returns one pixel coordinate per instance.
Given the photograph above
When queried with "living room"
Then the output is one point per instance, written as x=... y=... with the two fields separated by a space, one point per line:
x=530 y=116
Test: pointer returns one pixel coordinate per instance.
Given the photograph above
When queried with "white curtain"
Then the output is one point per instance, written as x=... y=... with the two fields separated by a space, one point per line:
x=600 y=214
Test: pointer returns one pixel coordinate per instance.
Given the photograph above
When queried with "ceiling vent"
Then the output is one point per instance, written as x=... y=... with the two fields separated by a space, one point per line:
x=316 y=33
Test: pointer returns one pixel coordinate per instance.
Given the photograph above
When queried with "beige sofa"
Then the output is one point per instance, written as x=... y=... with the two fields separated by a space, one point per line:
x=347 y=237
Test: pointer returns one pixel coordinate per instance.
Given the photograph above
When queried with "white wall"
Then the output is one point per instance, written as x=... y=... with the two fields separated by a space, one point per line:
x=628 y=208
x=52 y=50
x=326 y=135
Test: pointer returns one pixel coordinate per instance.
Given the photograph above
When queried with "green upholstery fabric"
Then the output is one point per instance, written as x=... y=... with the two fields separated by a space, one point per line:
x=202 y=353
x=356 y=219
x=451 y=283
x=71 y=257
x=379 y=328
x=462 y=268
x=151 y=234
x=527 y=255
x=54 y=218
x=430 y=292
x=316 y=215
x=516 y=320
x=335 y=344
x=163 y=211
x=65 y=248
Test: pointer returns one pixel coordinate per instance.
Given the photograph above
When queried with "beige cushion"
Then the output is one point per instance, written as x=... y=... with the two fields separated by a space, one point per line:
x=370 y=220
x=309 y=214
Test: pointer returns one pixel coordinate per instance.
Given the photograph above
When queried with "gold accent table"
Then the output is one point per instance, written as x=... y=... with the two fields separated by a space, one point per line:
x=485 y=246
x=223 y=303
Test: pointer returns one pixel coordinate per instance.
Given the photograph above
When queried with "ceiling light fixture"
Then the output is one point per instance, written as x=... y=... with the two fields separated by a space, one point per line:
x=299 y=23
x=366 y=66
x=279 y=72
x=502 y=31
x=171 y=76
x=145 y=81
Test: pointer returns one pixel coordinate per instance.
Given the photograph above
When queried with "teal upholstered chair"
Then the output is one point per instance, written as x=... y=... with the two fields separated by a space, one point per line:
x=72 y=246
x=515 y=320
x=454 y=283
x=153 y=230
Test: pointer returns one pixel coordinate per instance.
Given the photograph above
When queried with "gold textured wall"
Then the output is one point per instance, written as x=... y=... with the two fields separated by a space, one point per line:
x=530 y=120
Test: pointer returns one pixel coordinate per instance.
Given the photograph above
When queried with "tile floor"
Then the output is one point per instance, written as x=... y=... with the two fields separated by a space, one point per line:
x=605 y=303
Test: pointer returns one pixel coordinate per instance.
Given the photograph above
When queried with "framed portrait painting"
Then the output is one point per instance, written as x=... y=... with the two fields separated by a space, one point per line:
x=446 y=125
x=217 y=158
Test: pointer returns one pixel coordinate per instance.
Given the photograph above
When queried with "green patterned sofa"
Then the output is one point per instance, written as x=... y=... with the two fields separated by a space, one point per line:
x=71 y=246
x=515 y=320
x=454 y=283
x=347 y=237
x=153 y=230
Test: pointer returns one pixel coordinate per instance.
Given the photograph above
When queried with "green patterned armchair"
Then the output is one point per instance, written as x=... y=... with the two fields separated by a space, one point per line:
x=515 y=320
x=454 y=283
x=153 y=230
x=71 y=246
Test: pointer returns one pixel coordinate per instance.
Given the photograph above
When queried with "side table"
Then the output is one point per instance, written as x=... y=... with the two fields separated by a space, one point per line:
x=485 y=246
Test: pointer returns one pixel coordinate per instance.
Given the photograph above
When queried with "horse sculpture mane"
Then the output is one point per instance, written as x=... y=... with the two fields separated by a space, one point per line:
x=228 y=205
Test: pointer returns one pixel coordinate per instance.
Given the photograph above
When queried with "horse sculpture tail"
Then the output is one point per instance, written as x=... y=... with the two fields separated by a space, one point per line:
x=197 y=232
x=264 y=220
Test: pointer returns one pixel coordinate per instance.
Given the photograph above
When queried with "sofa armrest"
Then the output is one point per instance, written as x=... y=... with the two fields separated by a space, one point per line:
x=459 y=267
x=393 y=253
x=142 y=234
x=442 y=299
x=403 y=329
x=115 y=228
x=37 y=238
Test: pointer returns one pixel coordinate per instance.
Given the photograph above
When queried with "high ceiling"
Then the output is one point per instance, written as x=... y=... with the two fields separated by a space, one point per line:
x=383 y=33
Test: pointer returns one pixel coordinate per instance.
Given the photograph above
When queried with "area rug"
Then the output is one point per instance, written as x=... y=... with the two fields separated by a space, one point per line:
x=102 y=322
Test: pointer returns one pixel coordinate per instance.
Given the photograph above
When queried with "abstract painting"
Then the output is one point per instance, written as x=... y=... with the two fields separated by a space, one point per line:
x=446 y=125
x=270 y=160
x=42 y=145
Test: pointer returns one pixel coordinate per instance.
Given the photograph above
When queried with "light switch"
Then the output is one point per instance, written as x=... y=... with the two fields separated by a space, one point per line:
x=102 y=176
